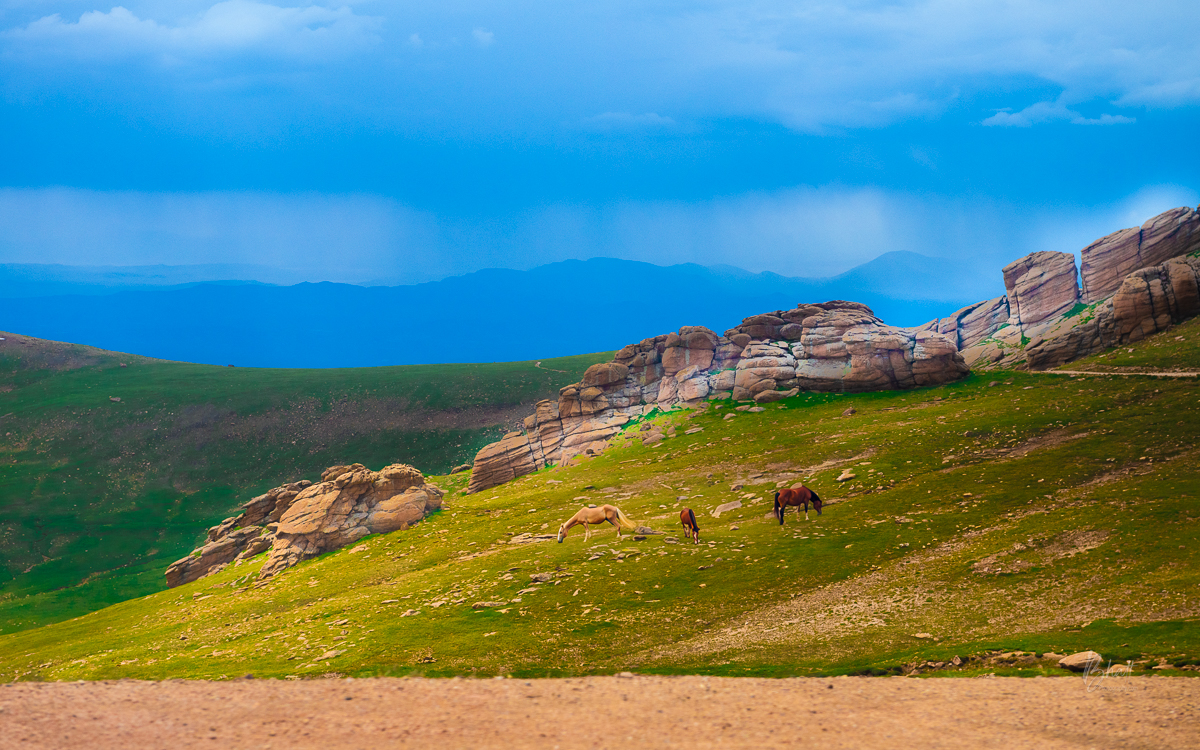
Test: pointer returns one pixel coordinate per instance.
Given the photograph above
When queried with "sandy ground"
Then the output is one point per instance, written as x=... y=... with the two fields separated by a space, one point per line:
x=605 y=712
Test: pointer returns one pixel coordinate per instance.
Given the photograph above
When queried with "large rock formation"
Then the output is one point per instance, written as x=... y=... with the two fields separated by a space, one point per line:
x=1148 y=301
x=1135 y=282
x=835 y=346
x=301 y=520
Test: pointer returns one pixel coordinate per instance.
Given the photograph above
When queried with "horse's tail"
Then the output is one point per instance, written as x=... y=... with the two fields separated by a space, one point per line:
x=624 y=520
x=776 y=510
x=817 y=502
x=692 y=516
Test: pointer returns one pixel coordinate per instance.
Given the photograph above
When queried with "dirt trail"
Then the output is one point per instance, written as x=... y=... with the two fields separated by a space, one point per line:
x=1126 y=373
x=604 y=712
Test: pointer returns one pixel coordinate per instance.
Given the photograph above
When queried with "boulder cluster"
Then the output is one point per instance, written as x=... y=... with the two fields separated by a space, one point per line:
x=300 y=520
x=834 y=347
x=1135 y=282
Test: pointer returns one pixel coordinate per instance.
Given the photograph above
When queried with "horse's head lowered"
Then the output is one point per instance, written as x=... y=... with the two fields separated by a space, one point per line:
x=562 y=533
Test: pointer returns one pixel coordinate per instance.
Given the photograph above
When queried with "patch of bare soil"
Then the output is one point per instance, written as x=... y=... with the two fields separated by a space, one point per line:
x=1051 y=439
x=604 y=712
x=57 y=355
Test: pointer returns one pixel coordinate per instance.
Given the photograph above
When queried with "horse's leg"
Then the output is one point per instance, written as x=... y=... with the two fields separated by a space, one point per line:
x=805 y=510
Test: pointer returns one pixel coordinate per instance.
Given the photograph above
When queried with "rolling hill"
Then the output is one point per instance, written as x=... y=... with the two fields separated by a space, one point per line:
x=988 y=525
x=112 y=465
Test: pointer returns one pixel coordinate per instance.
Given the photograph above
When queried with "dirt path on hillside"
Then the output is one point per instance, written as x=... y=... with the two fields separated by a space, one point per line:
x=605 y=712
x=1123 y=373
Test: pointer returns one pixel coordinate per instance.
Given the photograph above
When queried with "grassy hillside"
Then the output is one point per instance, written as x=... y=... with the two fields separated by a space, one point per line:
x=1009 y=512
x=98 y=496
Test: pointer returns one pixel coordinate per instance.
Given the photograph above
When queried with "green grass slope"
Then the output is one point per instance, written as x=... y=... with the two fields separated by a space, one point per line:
x=97 y=496
x=1021 y=512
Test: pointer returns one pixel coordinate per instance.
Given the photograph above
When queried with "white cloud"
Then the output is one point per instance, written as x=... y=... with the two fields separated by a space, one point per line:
x=483 y=37
x=627 y=121
x=1051 y=112
x=232 y=26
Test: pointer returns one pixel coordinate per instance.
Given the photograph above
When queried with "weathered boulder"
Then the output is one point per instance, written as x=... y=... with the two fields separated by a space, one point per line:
x=1107 y=261
x=1041 y=285
x=1081 y=661
x=302 y=519
x=346 y=506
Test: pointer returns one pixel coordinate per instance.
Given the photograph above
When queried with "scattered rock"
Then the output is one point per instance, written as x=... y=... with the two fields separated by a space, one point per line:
x=846 y=476
x=726 y=507
x=460 y=468
x=487 y=605
x=114 y=398
x=1080 y=661
x=922 y=635
x=542 y=577
x=851 y=411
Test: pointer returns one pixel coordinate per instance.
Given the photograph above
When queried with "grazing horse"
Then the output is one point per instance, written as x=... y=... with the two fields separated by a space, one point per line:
x=798 y=497
x=690 y=528
x=588 y=516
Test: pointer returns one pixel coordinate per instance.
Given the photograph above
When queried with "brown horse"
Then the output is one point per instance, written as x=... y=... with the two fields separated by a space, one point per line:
x=690 y=528
x=588 y=516
x=798 y=497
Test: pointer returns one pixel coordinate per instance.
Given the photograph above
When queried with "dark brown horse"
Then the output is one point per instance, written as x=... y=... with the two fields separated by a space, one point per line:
x=690 y=529
x=798 y=497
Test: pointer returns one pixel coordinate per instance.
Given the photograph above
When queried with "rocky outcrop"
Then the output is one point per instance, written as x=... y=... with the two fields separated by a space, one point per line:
x=1148 y=301
x=1135 y=282
x=301 y=520
x=1107 y=261
x=834 y=346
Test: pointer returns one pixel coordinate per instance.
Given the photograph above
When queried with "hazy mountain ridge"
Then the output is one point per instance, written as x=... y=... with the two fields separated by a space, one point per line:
x=490 y=315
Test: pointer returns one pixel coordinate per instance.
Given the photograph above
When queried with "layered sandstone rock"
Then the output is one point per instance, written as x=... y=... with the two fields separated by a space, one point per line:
x=835 y=346
x=1107 y=261
x=1148 y=301
x=1136 y=282
x=301 y=520
x=973 y=323
x=1040 y=286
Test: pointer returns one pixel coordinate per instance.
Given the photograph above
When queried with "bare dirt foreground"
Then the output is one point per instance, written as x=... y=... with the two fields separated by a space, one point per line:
x=604 y=712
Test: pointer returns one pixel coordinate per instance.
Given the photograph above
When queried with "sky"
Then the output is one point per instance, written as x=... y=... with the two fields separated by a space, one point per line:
x=396 y=142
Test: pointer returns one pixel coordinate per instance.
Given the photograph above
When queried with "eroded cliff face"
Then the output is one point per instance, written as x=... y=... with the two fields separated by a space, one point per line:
x=304 y=519
x=834 y=346
x=1136 y=282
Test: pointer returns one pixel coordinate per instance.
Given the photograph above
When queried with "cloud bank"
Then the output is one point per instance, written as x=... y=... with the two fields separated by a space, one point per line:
x=810 y=65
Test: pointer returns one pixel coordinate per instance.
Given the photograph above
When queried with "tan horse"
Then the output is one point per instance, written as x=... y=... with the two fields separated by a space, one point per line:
x=588 y=516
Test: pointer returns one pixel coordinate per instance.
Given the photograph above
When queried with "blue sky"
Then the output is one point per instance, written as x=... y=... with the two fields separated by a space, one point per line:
x=406 y=141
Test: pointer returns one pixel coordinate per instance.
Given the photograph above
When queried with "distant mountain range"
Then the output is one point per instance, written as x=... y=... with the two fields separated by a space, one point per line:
x=491 y=315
